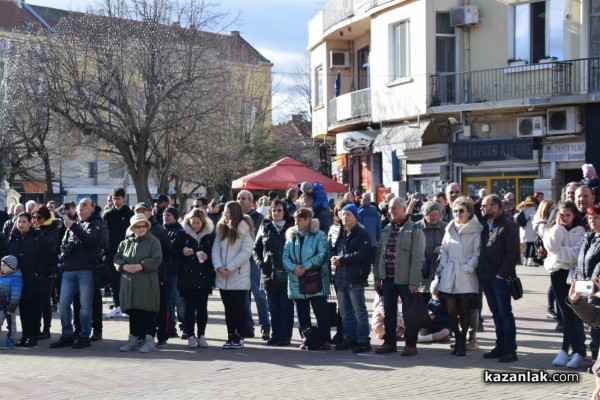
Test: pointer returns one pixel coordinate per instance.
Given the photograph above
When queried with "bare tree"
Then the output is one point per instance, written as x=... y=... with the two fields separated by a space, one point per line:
x=142 y=76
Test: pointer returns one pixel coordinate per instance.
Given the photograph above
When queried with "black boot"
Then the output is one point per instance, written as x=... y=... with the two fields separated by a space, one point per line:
x=461 y=349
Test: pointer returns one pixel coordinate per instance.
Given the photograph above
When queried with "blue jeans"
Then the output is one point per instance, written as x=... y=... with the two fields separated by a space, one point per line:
x=282 y=313
x=174 y=300
x=73 y=282
x=353 y=310
x=497 y=293
x=260 y=297
x=391 y=291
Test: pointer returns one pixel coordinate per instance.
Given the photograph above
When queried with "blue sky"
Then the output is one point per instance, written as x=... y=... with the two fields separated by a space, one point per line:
x=277 y=28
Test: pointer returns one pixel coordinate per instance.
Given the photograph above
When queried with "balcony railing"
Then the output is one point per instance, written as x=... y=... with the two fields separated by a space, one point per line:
x=349 y=107
x=339 y=10
x=556 y=78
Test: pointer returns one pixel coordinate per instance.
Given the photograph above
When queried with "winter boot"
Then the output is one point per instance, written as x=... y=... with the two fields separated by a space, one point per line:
x=133 y=344
x=149 y=345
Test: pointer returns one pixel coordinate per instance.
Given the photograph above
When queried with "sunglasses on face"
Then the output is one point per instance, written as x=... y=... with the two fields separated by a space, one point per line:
x=459 y=211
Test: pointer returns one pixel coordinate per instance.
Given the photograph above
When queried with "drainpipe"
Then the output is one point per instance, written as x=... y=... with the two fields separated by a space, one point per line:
x=37 y=16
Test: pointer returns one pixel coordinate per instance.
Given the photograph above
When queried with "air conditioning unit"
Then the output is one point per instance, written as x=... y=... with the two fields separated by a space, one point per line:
x=563 y=121
x=464 y=16
x=339 y=59
x=530 y=127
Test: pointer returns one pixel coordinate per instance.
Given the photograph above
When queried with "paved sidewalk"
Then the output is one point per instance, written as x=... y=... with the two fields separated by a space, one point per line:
x=261 y=372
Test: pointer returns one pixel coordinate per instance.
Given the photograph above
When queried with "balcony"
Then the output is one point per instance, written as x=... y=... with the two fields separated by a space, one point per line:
x=340 y=10
x=555 y=78
x=349 y=108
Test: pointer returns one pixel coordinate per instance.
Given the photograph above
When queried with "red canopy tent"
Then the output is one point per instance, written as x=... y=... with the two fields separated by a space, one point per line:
x=285 y=174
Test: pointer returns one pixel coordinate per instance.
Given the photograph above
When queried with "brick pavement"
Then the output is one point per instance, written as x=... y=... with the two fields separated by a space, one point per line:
x=261 y=372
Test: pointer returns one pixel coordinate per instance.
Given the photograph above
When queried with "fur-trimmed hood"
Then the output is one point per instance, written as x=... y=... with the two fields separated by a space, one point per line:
x=207 y=229
x=312 y=228
x=473 y=226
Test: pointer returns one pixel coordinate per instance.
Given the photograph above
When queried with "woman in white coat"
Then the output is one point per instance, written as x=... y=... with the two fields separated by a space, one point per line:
x=231 y=253
x=563 y=239
x=459 y=284
x=528 y=234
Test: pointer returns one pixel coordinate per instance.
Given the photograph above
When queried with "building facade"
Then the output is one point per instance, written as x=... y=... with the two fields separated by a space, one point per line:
x=494 y=94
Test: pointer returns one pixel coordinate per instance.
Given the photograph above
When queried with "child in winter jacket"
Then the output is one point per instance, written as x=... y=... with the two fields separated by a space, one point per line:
x=11 y=285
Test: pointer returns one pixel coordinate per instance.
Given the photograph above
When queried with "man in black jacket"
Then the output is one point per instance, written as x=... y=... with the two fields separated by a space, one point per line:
x=500 y=254
x=174 y=300
x=81 y=247
x=117 y=220
x=353 y=265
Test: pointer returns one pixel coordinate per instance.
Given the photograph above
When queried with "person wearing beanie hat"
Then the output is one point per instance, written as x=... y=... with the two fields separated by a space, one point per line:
x=352 y=208
x=591 y=179
x=117 y=222
x=138 y=260
x=173 y=211
x=352 y=261
x=11 y=287
x=11 y=262
x=430 y=206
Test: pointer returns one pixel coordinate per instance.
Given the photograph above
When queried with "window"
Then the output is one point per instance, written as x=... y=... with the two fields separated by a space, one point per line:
x=92 y=169
x=319 y=86
x=445 y=39
x=539 y=30
x=594 y=28
x=363 y=67
x=400 y=51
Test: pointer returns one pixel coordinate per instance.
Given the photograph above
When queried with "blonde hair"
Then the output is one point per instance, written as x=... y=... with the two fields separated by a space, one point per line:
x=544 y=209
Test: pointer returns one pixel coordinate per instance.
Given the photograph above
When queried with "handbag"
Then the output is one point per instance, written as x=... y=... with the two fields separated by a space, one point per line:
x=102 y=277
x=516 y=287
x=311 y=282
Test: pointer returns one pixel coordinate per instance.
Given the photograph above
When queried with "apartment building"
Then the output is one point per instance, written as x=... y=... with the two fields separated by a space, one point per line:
x=496 y=94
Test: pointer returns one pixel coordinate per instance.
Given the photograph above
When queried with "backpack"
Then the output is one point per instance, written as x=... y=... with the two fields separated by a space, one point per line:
x=540 y=251
x=521 y=219
x=312 y=338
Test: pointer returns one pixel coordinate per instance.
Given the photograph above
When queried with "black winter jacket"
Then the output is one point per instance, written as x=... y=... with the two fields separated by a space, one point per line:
x=161 y=234
x=268 y=253
x=83 y=240
x=117 y=222
x=193 y=274
x=354 y=251
x=172 y=231
x=29 y=249
x=500 y=249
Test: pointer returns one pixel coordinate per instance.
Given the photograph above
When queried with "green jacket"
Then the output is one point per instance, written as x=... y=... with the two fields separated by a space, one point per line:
x=313 y=254
x=410 y=254
x=140 y=290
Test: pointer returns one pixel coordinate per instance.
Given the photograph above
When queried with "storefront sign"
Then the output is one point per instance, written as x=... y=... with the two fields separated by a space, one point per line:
x=354 y=141
x=476 y=151
x=564 y=152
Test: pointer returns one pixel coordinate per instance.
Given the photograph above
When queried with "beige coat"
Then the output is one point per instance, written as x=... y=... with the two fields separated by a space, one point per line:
x=458 y=258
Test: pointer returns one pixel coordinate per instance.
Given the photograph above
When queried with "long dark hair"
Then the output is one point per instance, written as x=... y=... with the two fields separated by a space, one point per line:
x=286 y=212
x=577 y=219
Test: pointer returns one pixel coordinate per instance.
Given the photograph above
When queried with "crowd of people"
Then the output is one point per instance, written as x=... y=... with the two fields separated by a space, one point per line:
x=436 y=259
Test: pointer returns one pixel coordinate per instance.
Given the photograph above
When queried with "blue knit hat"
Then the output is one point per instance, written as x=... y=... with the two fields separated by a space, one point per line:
x=11 y=261
x=352 y=208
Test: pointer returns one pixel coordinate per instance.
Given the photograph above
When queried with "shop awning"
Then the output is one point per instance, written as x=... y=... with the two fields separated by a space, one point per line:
x=401 y=137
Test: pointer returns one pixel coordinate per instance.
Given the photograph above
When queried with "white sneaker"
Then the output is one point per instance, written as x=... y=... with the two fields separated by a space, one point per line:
x=114 y=313
x=561 y=359
x=149 y=345
x=576 y=361
x=192 y=343
x=202 y=343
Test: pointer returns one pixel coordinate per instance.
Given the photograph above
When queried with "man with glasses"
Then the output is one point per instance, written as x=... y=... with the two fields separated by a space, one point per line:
x=81 y=246
x=500 y=254
x=245 y=199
